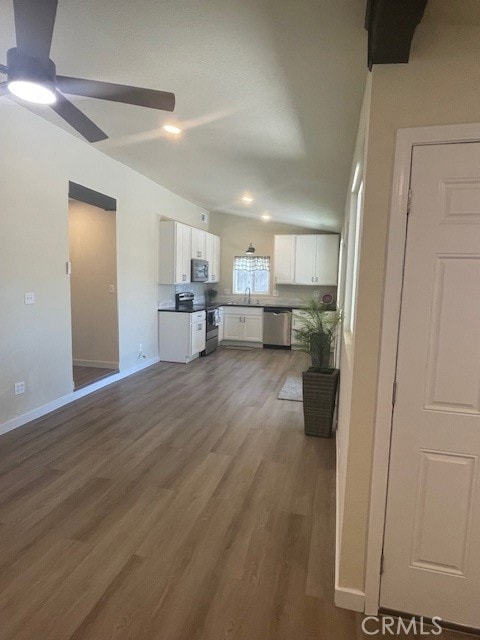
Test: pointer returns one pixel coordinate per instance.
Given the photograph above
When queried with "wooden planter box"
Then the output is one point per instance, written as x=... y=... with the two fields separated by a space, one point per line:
x=319 y=395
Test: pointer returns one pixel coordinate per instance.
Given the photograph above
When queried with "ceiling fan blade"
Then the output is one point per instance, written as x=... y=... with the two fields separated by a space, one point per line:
x=163 y=100
x=34 y=22
x=77 y=119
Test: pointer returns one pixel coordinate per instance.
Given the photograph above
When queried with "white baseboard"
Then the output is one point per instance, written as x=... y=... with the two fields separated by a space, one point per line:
x=352 y=599
x=95 y=363
x=38 y=412
x=345 y=597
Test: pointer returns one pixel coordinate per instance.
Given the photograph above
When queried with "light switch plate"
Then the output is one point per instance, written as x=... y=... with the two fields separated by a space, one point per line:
x=30 y=298
x=111 y=288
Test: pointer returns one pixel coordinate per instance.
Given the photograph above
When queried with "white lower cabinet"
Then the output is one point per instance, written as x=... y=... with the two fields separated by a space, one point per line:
x=181 y=336
x=243 y=324
x=297 y=323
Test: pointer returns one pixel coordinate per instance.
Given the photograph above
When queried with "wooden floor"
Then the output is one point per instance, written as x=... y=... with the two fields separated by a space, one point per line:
x=83 y=376
x=181 y=503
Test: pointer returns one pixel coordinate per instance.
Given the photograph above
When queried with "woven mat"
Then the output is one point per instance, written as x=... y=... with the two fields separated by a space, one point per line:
x=291 y=390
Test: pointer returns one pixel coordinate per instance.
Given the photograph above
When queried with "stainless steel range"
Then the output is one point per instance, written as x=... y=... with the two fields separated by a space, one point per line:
x=212 y=330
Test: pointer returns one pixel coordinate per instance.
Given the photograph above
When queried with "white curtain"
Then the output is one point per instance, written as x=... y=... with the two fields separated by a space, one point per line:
x=251 y=263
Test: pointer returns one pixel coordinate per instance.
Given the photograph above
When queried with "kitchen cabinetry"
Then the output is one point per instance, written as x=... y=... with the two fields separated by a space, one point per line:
x=178 y=245
x=199 y=239
x=175 y=248
x=181 y=336
x=316 y=259
x=310 y=259
x=212 y=246
x=305 y=254
x=243 y=324
x=284 y=259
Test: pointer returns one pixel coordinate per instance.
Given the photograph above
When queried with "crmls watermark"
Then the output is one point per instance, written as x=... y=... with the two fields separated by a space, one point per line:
x=390 y=626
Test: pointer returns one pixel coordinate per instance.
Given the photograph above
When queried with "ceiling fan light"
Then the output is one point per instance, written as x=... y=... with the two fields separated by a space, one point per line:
x=32 y=92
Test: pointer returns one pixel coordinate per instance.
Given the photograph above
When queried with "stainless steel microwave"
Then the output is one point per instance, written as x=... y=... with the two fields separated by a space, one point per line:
x=199 y=270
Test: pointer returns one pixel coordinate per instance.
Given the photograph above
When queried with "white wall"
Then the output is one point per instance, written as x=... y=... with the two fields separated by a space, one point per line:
x=37 y=160
x=93 y=257
x=347 y=342
x=438 y=86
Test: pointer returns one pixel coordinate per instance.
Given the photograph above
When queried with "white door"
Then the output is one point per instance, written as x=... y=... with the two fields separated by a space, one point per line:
x=209 y=251
x=284 y=259
x=233 y=327
x=326 y=259
x=432 y=536
x=253 y=328
x=215 y=277
x=198 y=333
x=183 y=240
x=198 y=248
x=305 y=249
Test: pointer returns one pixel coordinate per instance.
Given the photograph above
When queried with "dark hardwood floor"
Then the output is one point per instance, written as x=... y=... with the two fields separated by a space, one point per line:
x=181 y=503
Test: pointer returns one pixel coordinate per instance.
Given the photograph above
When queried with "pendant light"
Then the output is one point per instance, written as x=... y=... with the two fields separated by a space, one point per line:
x=251 y=249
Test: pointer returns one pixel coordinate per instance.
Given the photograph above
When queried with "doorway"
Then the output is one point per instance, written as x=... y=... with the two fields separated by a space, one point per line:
x=93 y=285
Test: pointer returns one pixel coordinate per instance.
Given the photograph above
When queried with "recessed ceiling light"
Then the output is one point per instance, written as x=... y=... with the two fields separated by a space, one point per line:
x=171 y=128
x=32 y=92
x=247 y=198
x=266 y=216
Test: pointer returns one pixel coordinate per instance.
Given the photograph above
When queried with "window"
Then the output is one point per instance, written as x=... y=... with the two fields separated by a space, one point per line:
x=253 y=272
x=353 y=250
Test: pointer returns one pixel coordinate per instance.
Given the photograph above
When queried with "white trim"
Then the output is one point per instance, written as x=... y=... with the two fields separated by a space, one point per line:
x=347 y=598
x=19 y=421
x=95 y=363
x=406 y=140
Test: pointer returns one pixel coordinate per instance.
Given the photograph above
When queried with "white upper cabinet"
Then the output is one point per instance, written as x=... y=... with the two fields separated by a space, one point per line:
x=199 y=239
x=175 y=247
x=305 y=253
x=310 y=259
x=326 y=259
x=284 y=259
x=178 y=244
x=212 y=246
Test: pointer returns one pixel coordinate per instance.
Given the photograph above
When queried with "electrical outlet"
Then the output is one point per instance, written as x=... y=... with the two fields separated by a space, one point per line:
x=19 y=388
x=30 y=298
x=111 y=288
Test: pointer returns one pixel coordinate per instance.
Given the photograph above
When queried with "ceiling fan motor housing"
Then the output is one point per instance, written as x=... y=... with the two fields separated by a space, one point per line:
x=22 y=67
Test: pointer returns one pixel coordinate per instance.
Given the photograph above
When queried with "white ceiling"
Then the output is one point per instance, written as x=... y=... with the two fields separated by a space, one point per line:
x=268 y=94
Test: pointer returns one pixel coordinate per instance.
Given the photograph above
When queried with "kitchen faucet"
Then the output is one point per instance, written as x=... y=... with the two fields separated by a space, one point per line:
x=245 y=299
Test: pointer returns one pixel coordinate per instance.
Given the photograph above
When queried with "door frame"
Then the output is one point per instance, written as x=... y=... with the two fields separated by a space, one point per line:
x=406 y=140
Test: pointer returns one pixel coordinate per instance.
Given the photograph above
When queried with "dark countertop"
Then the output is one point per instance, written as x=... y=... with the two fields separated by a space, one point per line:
x=196 y=307
x=216 y=305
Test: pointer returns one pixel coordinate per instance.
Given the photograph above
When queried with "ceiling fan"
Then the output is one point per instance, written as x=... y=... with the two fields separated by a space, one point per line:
x=31 y=75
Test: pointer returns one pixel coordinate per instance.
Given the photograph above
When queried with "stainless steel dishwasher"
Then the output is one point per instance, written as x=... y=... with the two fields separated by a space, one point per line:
x=277 y=327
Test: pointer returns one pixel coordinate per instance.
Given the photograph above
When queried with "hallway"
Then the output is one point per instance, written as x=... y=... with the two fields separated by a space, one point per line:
x=181 y=503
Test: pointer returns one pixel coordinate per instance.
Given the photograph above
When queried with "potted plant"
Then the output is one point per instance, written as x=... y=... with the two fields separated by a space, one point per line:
x=320 y=381
x=211 y=294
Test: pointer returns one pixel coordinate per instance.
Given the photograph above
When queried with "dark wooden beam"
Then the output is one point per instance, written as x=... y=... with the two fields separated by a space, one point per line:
x=89 y=196
x=391 y=25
